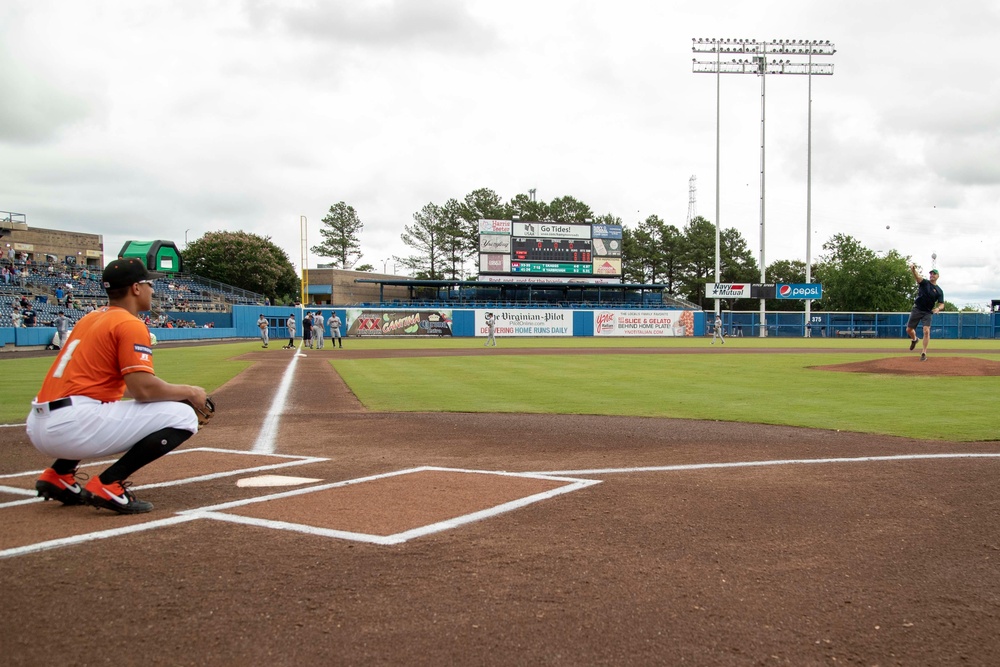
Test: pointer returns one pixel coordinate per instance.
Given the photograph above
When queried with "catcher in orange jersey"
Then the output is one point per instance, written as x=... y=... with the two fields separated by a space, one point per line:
x=79 y=412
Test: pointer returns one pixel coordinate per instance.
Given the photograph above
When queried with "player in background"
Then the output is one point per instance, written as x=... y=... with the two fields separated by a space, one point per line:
x=929 y=302
x=262 y=325
x=334 y=323
x=61 y=323
x=318 y=325
x=717 y=332
x=290 y=323
x=79 y=412
x=491 y=330
x=307 y=330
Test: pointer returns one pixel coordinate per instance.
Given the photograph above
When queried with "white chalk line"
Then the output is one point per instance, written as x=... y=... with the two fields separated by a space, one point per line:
x=266 y=439
x=779 y=462
x=295 y=461
x=216 y=512
x=89 y=537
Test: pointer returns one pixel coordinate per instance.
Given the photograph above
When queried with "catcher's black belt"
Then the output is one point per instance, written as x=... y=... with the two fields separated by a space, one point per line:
x=60 y=403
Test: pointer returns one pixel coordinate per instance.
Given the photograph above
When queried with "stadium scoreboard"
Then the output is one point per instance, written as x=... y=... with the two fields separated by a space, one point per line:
x=508 y=247
x=577 y=251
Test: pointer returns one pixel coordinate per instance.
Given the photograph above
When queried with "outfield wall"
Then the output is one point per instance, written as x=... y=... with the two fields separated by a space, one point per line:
x=551 y=322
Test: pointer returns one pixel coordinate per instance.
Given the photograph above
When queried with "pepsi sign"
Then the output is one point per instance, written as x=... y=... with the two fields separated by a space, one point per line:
x=799 y=291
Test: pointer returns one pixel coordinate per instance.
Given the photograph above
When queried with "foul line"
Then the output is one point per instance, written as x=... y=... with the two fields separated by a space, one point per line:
x=265 y=443
x=89 y=537
x=780 y=462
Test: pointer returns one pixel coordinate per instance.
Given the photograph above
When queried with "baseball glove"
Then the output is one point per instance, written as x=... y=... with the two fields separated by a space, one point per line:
x=206 y=413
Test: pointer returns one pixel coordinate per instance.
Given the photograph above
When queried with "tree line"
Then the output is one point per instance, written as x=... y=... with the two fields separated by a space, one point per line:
x=443 y=240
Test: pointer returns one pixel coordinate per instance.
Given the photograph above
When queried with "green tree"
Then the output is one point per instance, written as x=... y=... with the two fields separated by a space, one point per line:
x=697 y=261
x=426 y=237
x=481 y=204
x=858 y=279
x=652 y=253
x=634 y=245
x=244 y=260
x=340 y=231
x=525 y=208
x=454 y=242
x=569 y=209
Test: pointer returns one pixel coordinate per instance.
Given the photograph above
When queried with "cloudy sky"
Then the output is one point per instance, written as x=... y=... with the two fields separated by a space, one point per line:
x=165 y=120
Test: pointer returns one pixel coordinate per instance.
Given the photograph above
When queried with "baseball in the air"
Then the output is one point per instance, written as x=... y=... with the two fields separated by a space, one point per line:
x=887 y=226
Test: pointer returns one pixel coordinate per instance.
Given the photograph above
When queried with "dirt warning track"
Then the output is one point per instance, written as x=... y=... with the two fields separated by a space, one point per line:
x=508 y=539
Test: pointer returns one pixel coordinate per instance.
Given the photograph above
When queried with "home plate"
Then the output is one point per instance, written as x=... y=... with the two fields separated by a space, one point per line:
x=275 y=480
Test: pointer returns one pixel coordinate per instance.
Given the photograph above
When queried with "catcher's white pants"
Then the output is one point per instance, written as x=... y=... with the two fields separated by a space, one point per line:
x=89 y=429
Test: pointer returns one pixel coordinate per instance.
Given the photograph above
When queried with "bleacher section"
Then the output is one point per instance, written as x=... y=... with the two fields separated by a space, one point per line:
x=82 y=291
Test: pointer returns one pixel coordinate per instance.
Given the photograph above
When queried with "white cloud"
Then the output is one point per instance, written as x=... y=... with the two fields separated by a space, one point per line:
x=163 y=119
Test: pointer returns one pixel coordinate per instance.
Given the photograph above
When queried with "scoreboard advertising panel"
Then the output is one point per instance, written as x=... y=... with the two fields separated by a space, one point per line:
x=549 y=248
x=527 y=322
x=643 y=323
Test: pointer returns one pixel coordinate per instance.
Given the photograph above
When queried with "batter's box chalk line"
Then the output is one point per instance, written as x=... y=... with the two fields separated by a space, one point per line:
x=291 y=461
x=218 y=512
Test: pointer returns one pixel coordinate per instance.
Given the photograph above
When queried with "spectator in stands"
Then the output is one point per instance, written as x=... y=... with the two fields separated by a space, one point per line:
x=15 y=317
x=28 y=317
x=25 y=304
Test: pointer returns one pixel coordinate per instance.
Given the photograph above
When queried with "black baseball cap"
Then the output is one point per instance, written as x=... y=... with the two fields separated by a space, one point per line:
x=125 y=273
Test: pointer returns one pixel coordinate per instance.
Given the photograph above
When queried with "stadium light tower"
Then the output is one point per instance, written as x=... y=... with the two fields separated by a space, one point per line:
x=754 y=59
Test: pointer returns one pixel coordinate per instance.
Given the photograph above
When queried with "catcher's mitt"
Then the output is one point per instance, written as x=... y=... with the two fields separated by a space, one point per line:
x=206 y=413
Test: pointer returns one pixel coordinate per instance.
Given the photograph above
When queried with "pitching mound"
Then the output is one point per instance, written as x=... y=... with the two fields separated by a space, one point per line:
x=911 y=365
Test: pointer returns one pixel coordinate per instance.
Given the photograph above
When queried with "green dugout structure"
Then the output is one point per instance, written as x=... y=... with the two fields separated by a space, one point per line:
x=162 y=256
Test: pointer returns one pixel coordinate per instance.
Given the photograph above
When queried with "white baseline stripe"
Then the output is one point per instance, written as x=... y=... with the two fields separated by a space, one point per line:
x=88 y=537
x=178 y=452
x=293 y=460
x=269 y=431
x=781 y=462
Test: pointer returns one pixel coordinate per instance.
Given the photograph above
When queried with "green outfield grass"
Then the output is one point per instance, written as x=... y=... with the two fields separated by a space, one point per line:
x=756 y=387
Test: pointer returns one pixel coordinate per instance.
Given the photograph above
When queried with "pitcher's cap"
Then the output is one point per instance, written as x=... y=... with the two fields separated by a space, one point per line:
x=125 y=273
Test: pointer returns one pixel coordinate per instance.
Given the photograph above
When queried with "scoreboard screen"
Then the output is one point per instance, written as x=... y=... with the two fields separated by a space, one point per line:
x=562 y=250
x=551 y=250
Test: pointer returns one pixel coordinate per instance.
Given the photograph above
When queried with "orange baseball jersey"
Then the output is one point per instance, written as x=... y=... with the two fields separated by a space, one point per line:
x=105 y=346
